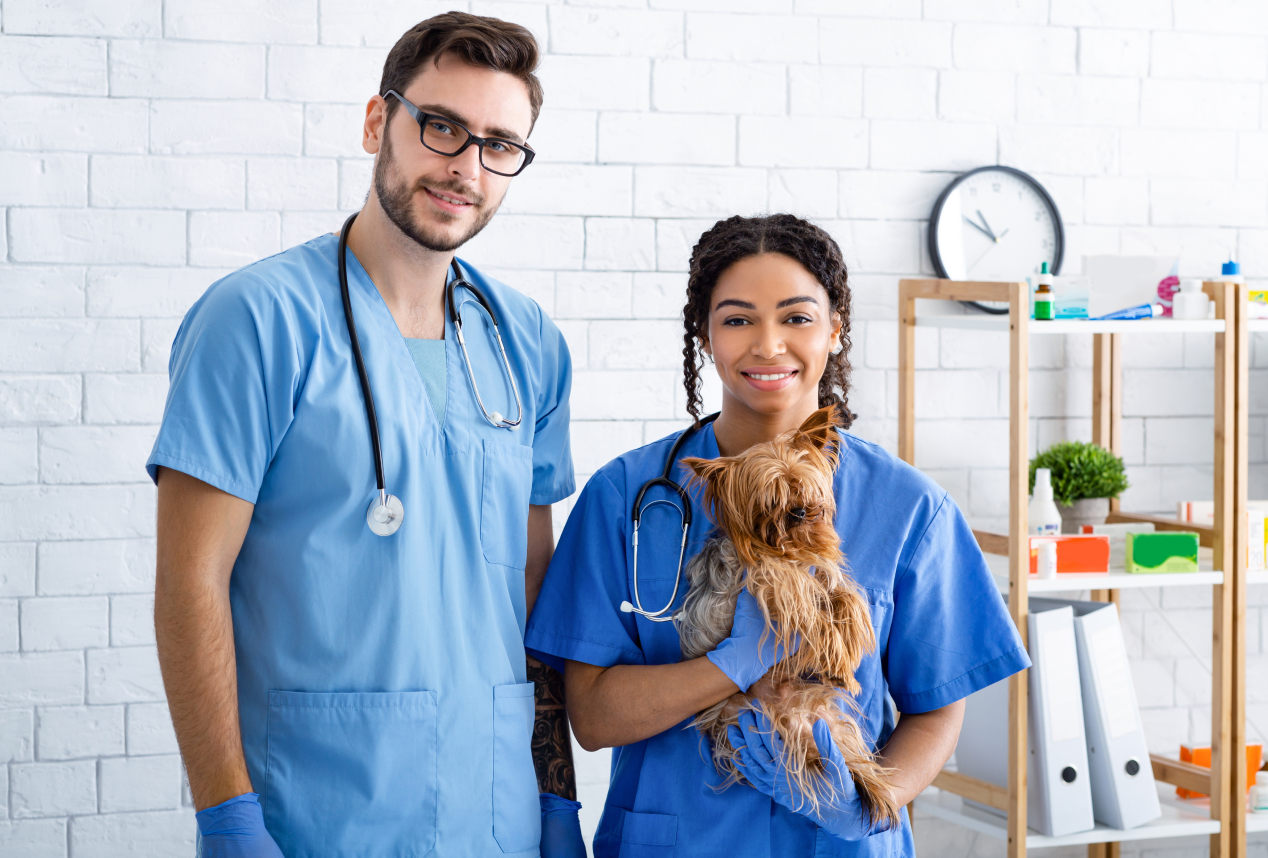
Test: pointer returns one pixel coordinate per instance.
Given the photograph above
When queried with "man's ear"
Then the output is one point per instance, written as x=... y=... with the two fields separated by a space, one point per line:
x=375 y=125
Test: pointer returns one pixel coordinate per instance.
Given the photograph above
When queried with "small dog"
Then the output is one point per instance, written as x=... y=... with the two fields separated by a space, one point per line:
x=775 y=507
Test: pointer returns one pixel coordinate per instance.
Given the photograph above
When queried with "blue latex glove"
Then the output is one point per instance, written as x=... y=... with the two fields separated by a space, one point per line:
x=561 y=829
x=761 y=753
x=745 y=657
x=235 y=829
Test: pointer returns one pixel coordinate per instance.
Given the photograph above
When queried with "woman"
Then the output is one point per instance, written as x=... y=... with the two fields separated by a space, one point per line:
x=769 y=305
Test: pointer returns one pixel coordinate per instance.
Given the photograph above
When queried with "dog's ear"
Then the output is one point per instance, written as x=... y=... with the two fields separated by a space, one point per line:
x=704 y=471
x=820 y=431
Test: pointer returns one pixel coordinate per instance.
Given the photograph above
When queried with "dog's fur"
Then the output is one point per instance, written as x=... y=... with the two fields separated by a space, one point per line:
x=775 y=507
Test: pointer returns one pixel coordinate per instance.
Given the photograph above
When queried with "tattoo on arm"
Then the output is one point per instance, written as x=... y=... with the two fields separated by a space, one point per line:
x=552 y=741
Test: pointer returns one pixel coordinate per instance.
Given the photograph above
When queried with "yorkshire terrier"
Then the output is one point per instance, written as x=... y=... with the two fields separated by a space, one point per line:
x=775 y=509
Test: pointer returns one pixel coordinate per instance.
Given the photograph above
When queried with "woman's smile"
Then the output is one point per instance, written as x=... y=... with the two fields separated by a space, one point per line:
x=769 y=377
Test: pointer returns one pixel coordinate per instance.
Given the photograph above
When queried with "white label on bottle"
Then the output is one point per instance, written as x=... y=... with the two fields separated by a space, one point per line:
x=1061 y=675
x=1113 y=680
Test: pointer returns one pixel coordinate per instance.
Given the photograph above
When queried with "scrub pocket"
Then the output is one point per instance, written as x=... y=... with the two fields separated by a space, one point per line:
x=351 y=774
x=507 y=486
x=517 y=815
x=648 y=835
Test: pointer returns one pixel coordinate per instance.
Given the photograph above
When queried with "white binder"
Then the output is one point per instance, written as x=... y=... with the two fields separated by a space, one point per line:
x=1059 y=799
x=1123 y=791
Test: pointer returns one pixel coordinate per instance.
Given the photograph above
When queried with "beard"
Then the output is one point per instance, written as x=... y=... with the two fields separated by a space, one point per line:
x=396 y=197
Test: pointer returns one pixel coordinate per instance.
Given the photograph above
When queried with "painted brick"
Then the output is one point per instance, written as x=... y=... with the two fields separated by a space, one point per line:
x=538 y=285
x=97 y=236
x=18 y=456
x=745 y=6
x=888 y=195
x=825 y=91
x=53 y=65
x=155 y=834
x=1198 y=104
x=659 y=296
x=1114 y=200
x=636 y=345
x=674 y=240
x=1221 y=16
x=41 y=291
x=49 y=123
x=698 y=191
x=156 y=343
x=900 y=93
x=225 y=127
x=52 y=789
x=586 y=295
x=1170 y=441
x=797 y=141
x=68 y=345
x=931 y=145
x=140 y=783
x=97 y=567
x=124 y=675
x=1011 y=11
x=1206 y=202
x=1199 y=55
x=565 y=136
x=17 y=736
x=286 y=21
x=65 y=623
x=615 y=32
x=75 y=732
x=145 y=291
x=521 y=241
x=881 y=345
x=624 y=395
x=977 y=96
x=132 y=620
x=52 y=679
x=809 y=193
x=95 y=454
x=577 y=335
x=970 y=393
x=961 y=443
x=75 y=512
x=334 y=130
x=572 y=189
x=751 y=38
x=347 y=22
x=150 y=730
x=159 y=69
x=1001 y=47
x=17 y=570
x=667 y=139
x=1178 y=153
x=620 y=244
x=693 y=86
x=301 y=73
x=1252 y=156
x=27 y=399
x=878 y=246
x=355 y=178
x=1127 y=13
x=1060 y=149
x=10 y=640
x=1053 y=99
x=300 y=227
x=140 y=181
x=597 y=442
x=1114 y=52
x=128 y=18
x=233 y=238
x=1201 y=250
x=43 y=180
x=1167 y=393
x=884 y=43
x=129 y=398
x=596 y=83
x=291 y=183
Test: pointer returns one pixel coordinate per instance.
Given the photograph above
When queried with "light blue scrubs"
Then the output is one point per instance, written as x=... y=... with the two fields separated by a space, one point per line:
x=941 y=625
x=381 y=680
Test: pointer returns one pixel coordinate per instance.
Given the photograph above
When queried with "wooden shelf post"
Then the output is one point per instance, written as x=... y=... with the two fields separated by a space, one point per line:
x=1238 y=320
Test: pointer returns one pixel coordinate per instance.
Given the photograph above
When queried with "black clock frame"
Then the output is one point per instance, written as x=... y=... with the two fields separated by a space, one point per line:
x=1059 y=237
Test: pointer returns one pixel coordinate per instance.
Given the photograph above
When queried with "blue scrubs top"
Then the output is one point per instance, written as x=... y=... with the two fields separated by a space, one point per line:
x=942 y=630
x=381 y=680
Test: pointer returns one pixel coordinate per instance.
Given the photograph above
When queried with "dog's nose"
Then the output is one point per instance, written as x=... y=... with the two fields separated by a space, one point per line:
x=798 y=512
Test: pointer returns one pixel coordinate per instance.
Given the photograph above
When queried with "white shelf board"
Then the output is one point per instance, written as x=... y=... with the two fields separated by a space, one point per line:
x=1081 y=326
x=1257 y=576
x=1179 y=818
x=1115 y=579
x=1256 y=822
x=1256 y=326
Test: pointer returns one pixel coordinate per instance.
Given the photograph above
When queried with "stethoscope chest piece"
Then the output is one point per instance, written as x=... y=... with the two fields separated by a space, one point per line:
x=385 y=515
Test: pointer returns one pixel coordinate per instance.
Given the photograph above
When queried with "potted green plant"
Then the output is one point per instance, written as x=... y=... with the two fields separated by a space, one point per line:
x=1084 y=478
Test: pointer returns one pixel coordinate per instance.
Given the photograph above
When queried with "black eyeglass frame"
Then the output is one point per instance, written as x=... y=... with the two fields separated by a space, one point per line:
x=421 y=118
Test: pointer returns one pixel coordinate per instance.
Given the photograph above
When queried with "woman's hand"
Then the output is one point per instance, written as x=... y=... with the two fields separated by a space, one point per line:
x=762 y=763
x=751 y=649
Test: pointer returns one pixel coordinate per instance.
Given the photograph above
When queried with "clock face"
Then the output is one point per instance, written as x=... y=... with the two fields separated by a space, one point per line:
x=995 y=223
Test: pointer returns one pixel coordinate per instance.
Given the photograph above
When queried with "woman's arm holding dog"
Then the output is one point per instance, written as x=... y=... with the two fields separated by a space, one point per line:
x=919 y=747
x=626 y=703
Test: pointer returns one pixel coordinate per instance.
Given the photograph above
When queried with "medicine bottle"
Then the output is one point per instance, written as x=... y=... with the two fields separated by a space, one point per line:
x=1043 y=294
x=1043 y=518
x=1190 y=302
x=1259 y=793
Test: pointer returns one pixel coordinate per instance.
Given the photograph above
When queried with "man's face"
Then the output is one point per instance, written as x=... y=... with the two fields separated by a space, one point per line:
x=441 y=202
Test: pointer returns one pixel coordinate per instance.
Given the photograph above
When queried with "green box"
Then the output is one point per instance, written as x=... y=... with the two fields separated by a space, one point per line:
x=1162 y=552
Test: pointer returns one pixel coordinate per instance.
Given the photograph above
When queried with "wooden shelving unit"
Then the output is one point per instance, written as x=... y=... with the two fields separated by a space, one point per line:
x=1216 y=817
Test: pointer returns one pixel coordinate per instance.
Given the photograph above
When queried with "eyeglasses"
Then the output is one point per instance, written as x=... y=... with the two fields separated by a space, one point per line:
x=446 y=137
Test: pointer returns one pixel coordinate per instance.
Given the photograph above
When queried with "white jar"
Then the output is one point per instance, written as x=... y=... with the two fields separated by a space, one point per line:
x=1190 y=302
x=1259 y=793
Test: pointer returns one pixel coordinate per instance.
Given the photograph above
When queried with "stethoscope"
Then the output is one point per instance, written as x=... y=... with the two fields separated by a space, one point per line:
x=386 y=513
x=684 y=513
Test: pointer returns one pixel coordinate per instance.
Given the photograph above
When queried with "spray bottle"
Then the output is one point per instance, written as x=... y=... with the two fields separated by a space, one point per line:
x=1043 y=518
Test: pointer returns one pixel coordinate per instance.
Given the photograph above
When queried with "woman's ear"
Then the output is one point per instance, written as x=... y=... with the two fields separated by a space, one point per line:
x=837 y=343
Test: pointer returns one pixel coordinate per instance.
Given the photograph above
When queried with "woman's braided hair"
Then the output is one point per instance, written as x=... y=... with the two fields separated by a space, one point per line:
x=726 y=243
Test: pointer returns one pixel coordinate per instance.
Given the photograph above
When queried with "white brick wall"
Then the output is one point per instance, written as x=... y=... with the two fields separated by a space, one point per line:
x=147 y=147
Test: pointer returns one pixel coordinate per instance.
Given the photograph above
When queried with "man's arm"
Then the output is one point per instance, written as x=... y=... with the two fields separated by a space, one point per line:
x=552 y=744
x=919 y=747
x=200 y=531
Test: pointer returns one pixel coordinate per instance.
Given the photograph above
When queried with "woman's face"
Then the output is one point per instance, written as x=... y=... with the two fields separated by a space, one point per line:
x=771 y=326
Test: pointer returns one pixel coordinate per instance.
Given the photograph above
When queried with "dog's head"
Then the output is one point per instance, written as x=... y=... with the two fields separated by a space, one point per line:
x=776 y=497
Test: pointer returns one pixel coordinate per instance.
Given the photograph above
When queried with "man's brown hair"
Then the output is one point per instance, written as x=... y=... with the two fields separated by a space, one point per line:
x=486 y=42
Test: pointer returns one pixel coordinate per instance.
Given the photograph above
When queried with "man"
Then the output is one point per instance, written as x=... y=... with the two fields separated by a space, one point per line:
x=346 y=670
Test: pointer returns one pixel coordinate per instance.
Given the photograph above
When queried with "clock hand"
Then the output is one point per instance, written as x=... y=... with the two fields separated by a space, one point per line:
x=988 y=226
x=979 y=228
x=1002 y=234
x=973 y=265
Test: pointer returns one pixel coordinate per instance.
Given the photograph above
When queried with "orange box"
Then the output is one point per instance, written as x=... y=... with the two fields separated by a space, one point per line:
x=1076 y=553
x=1201 y=756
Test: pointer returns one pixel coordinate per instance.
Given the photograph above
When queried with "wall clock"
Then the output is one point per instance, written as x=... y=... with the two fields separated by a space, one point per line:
x=995 y=223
